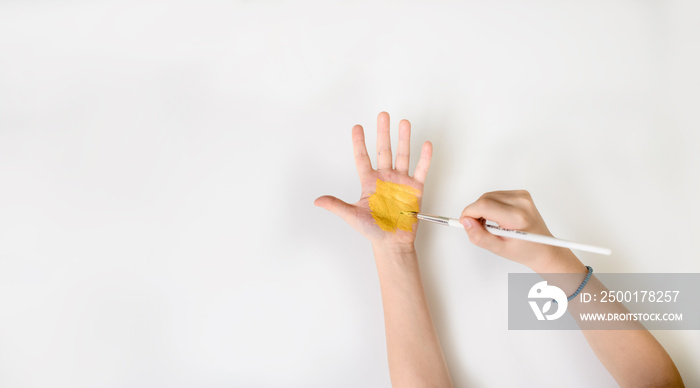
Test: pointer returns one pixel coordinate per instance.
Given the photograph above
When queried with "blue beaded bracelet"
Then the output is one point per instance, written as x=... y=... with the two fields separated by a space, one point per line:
x=578 y=290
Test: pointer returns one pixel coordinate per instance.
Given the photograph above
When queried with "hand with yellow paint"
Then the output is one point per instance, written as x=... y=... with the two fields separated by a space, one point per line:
x=387 y=191
x=413 y=350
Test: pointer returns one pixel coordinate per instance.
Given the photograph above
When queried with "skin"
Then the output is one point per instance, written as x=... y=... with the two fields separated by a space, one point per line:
x=358 y=215
x=414 y=353
x=633 y=357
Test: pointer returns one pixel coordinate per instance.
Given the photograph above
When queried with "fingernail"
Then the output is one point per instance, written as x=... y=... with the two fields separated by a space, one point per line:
x=467 y=223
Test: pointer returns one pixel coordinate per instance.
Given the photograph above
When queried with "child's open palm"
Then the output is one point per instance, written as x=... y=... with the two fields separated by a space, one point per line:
x=359 y=215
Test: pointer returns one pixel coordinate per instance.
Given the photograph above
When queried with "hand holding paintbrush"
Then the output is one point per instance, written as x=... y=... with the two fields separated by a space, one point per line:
x=495 y=229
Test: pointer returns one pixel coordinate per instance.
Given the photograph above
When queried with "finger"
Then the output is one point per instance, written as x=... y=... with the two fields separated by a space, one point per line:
x=479 y=236
x=335 y=206
x=426 y=154
x=403 y=153
x=383 y=142
x=491 y=209
x=511 y=193
x=511 y=197
x=359 y=148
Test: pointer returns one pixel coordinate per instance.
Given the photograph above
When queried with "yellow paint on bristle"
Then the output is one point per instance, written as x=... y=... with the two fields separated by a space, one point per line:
x=387 y=203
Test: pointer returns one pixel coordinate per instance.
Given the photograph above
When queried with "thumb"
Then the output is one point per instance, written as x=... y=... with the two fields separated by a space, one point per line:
x=335 y=206
x=479 y=236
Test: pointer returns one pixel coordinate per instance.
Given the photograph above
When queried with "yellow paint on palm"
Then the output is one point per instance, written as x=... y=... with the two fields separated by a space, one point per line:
x=387 y=203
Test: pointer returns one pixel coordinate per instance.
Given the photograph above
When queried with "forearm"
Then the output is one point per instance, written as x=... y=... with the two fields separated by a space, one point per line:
x=414 y=353
x=633 y=357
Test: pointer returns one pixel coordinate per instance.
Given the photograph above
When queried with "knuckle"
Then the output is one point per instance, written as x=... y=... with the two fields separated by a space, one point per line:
x=485 y=201
x=524 y=193
x=524 y=199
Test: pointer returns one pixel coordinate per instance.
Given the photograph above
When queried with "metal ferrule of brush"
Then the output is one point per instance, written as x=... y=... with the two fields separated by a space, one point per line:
x=435 y=219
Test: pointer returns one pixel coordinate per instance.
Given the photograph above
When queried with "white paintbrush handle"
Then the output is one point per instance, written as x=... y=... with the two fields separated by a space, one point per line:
x=493 y=228
x=548 y=240
x=455 y=223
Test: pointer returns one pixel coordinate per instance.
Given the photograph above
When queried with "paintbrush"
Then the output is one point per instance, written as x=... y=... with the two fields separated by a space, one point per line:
x=493 y=228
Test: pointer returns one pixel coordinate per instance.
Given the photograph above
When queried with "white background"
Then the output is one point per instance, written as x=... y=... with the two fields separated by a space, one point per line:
x=159 y=162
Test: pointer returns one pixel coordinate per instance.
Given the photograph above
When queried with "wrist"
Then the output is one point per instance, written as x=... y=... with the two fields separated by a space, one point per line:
x=393 y=248
x=390 y=257
x=560 y=261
